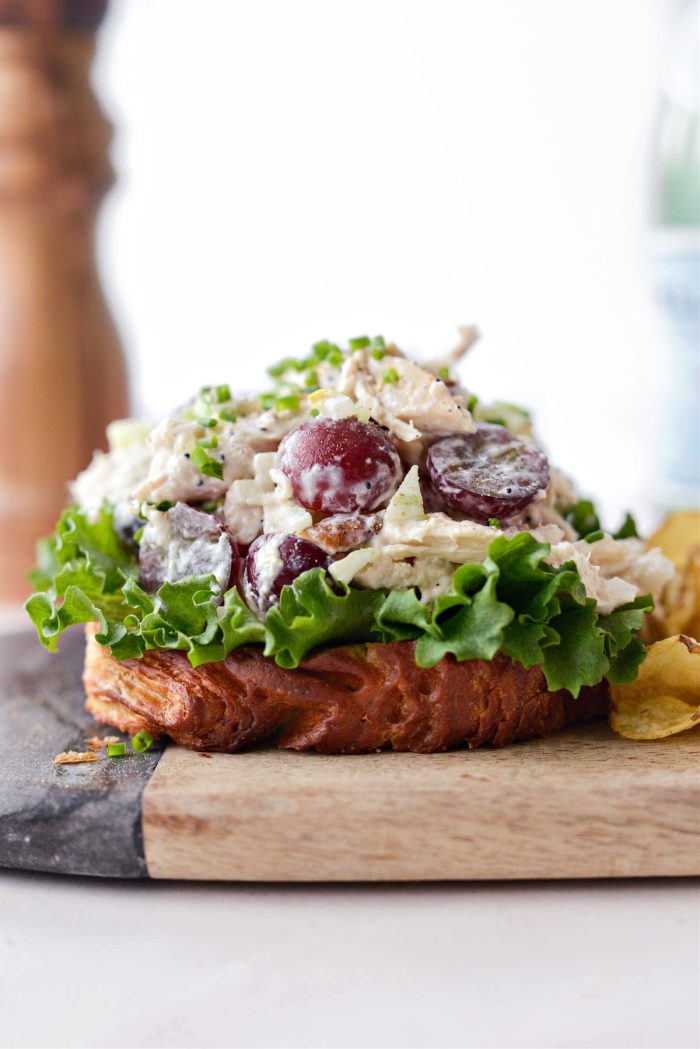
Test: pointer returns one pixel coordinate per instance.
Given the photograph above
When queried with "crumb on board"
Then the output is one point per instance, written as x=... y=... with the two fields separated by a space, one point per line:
x=203 y=754
x=99 y=743
x=75 y=757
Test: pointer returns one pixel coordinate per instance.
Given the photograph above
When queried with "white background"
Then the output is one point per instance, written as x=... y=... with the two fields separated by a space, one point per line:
x=289 y=171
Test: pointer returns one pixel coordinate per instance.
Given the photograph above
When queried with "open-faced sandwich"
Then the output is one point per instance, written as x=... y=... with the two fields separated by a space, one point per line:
x=364 y=556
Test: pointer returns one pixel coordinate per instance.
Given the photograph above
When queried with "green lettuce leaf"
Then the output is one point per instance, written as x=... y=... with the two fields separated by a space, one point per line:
x=518 y=604
x=514 y=603
x=583 y=516
x=312 y=612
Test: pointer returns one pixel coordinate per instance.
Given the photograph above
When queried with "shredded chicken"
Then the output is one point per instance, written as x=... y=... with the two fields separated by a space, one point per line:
x=615 y=571
x=422 y=550
x=173 y=476
x=263 y=503
x=608 y=592
x=468 y=335
x=110 y=476
x=431 y=575
x=543 y=511
x=413 y=404
x=648 y=570
x=408 y=545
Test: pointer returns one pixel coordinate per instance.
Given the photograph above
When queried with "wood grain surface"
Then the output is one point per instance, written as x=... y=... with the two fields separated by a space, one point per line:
x=584 y=804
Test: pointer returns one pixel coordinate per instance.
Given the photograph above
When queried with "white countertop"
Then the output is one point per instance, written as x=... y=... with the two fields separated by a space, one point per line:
x=97 y=963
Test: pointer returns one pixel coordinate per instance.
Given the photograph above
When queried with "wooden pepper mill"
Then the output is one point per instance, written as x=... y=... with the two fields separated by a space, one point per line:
x=62 y=370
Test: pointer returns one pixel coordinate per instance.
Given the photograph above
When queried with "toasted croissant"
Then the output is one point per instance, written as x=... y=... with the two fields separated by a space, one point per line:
x=342 y=701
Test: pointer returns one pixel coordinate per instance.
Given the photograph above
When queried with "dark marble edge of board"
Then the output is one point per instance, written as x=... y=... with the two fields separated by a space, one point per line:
x=67 y=819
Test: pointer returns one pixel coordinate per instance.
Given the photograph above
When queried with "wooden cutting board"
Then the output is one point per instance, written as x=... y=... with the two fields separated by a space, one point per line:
x=584 y=804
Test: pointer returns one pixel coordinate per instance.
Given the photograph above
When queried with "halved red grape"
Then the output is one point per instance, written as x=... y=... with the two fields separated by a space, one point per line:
x=340 y=466
x=488 y=473
x=184 y=542
x=274 y=561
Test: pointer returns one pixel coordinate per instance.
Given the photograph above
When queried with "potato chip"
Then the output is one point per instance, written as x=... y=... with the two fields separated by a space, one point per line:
x=682 y=599
x=665 y=698
x=679 y=611
x=677 y=535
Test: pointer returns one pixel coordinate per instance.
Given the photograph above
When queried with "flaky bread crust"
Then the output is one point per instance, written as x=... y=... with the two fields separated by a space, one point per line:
x=343 y=701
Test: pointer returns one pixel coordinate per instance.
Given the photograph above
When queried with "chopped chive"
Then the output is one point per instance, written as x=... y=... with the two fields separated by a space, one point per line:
x=208 y=442
x=227 y=415
x=444 y=374
x=472 y=402
x=378 y=353
x=359 y=342
x=314 y=412
x=276 y=370
x=208 y=424
x=223 y=393
x=497 y=420
x=311 y=378
x=628 y=529
x=327 y=351
x=494 y=522
x=287 y=404
x=206 y=464
x=516 y=408
x=141 y=741
x=320 y=351
x=593 y=537
x=391 y=375
x=139 y=535
x=116 y=750
x=267 y=400
x=164 y=505
x=378 y=343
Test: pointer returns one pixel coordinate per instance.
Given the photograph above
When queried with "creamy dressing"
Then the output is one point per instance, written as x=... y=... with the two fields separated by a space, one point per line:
x=416 y=403
x=110 y=477
x=173 y=476
x=183 y=542
x=407 y=545
x=264 y=503
x=268 y=565
x=423 y=550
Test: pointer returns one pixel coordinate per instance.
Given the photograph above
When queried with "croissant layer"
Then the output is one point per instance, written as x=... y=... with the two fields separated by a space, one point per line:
x=342 y=701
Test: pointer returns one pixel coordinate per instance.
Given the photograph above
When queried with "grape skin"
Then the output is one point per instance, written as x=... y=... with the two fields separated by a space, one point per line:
x=275 y=560
x=340 y=466
x=187 y=542
x=486 y=474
